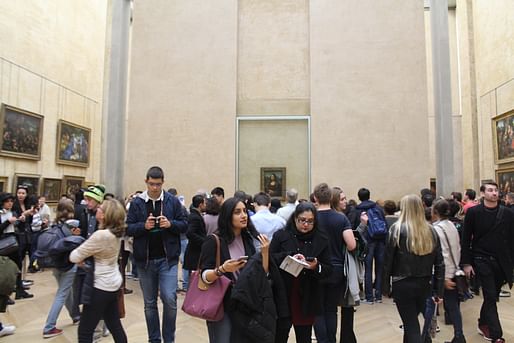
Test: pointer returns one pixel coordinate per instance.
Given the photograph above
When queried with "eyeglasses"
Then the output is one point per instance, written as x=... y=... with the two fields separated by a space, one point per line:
x=305 y=221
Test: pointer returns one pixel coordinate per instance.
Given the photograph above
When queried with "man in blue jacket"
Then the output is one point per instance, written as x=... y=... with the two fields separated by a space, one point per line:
x=155 y=219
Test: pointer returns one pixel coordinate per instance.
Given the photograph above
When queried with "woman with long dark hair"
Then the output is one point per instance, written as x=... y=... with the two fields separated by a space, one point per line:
x=103 y=245
x=236 y=234
x=302 y=239
x=413 y=251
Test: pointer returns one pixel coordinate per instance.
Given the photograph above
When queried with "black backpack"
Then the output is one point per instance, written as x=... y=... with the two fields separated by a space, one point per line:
x=46 y=241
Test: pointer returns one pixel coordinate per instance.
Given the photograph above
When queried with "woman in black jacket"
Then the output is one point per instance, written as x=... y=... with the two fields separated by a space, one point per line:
x=302 y=240
x=237 y=236
x=412 y=251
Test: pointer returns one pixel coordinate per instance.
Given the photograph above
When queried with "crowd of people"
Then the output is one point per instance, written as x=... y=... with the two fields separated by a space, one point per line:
x=350 y=254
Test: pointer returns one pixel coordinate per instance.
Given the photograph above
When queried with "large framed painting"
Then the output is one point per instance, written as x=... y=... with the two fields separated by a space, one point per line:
x=3 y=183
x=503 y=133
x=21 y=133
x=73 y=144
x=72 y=184
x=51 y=189
x=273 y=182
x=28 y=180
x=505 y=180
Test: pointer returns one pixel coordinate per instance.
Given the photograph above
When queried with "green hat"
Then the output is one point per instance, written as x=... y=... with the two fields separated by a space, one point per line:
x=95 y=192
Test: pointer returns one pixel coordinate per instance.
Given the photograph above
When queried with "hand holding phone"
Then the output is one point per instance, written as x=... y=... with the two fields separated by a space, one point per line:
x=242 y=258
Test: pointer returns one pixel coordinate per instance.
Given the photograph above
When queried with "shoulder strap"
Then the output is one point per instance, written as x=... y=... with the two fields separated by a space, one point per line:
x=218 y=253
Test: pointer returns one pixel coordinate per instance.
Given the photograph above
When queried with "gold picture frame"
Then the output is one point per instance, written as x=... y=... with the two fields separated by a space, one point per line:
x=51 y=189
x=505 y=179
x=31 y=181
x=4 y=184
x=73 y=144
x=71 y=184
x=503 y=135
x=21 y=133
x=273 y=181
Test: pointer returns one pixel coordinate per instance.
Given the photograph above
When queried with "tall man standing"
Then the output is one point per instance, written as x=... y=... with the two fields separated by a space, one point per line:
x=487 y=248
x=156 y=220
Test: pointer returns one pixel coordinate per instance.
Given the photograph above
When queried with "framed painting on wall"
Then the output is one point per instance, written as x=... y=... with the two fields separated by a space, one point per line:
x=73 y=144
x=273 y=182
x=505 y=180
x=71 y=184
x=503 y=135
x=28 y=180
x=3 y=183
x=21 y=133
x=51 y=189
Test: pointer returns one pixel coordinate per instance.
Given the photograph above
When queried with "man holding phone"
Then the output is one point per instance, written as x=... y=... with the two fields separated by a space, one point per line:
x=155 y=219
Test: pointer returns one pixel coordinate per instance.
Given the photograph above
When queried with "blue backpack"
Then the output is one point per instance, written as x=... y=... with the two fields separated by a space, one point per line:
x=377 y=226
x=46 y=241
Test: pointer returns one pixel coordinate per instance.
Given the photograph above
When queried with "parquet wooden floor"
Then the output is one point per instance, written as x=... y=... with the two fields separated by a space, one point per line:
x=373 y=323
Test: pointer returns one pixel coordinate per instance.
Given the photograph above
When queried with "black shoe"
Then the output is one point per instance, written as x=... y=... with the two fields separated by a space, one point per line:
x=10 y=301
x=23 y=295
x=127 y=291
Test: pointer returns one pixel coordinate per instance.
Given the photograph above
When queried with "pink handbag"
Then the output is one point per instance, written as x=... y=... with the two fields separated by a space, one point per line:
x=206 y=300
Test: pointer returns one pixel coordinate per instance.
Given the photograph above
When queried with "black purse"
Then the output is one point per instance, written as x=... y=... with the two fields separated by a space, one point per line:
x=8 y=245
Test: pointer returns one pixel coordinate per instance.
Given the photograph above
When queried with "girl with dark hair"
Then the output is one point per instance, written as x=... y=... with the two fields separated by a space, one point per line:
x=103 y=245
x=24 y=209
x=450 y=245
x=302 y=239
x=236 y=235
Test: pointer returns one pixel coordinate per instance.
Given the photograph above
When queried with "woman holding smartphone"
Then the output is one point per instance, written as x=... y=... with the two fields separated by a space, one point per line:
x=236 y=234
x=302 y=240
x=103 y=245
x=412 y=252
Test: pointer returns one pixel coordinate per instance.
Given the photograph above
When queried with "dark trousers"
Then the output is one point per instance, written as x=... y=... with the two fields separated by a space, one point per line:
x=302 y=332
x=123 y=260
x=375 y=254
x=347 y=335
x=104 y=305
x=325 y=325
x=491 y=278
x=410 y=296
x=452 y=308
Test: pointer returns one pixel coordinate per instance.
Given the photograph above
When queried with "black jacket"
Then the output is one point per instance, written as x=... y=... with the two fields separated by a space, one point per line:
x=285 y=243
x=196 y=234
x=398 y=261
x=477 y=239
x=253 y=306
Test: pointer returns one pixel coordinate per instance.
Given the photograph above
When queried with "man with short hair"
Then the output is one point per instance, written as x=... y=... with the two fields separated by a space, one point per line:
x=219 y=194
x=487 y=248
x=155 y=219
x=340 y=236
x=469 y=200
x=286 y=211
x=266 y=222
x=376 y=245
x=509 y=200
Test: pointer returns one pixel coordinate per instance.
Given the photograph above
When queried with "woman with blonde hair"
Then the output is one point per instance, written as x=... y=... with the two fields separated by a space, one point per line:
x=103 y=245
x=413 y=250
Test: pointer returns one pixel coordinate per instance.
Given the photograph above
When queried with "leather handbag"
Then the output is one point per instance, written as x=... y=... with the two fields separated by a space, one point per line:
x=205 y=301
x=461 y=282
x=8 y=245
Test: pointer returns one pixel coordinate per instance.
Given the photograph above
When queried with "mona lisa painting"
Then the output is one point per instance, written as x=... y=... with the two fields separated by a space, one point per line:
x=273 y=182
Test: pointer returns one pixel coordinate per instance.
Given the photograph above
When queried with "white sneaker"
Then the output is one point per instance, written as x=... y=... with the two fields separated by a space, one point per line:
x=504 y=294
x=7 y=330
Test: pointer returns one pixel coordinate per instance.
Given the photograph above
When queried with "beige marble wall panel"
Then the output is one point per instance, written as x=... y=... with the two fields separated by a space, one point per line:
x=61 y=39
x=369 y=102
x=505 y=97
x=486 y=112
x=275 y=143
x=182 y=97
x=29 y=91
x=273 y=56
x=494 y=39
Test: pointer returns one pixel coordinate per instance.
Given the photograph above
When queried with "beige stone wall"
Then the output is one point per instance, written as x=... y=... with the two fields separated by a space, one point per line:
x=368 y=96
x=51 y=63
x=182 y=97
x=494 y=50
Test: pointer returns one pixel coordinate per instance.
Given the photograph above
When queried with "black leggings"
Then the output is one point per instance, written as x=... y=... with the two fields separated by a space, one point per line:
x=104 y=305
x=303 y=333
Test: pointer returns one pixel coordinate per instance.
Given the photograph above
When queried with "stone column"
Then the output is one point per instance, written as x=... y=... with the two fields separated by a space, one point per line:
x=115 y=96
x=445 y=172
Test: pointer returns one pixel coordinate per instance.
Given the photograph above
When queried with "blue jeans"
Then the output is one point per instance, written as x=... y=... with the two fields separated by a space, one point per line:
x=219 y=332
x=159 y=277
x=185 y=272
x=63 y=296
x=375 y=252
x=325 y=325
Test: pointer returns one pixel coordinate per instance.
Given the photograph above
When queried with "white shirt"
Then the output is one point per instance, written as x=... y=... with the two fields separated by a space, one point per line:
x=267 y=223
x=5 y=215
